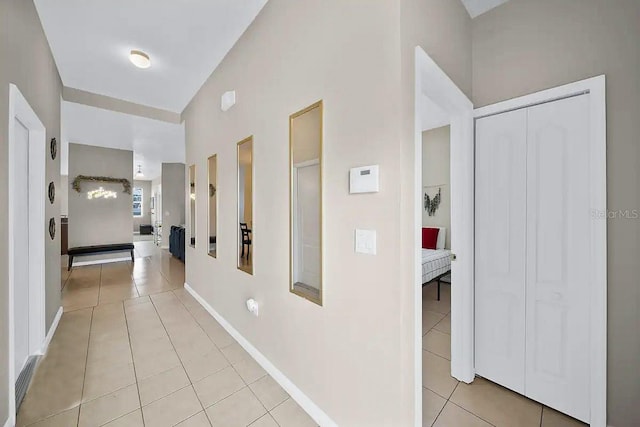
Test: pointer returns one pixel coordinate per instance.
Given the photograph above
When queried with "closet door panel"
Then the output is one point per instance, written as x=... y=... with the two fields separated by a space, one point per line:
x=557 y=285
x=500 y=248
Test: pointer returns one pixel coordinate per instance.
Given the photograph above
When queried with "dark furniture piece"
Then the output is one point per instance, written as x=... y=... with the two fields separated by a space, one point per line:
x=146 y=229
x=439 y=279
x=246 y=239
x=99 y=249
x=176 y=242
x=64 y=235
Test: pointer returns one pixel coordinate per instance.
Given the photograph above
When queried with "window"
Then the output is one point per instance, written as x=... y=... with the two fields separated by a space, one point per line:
x=137 y=201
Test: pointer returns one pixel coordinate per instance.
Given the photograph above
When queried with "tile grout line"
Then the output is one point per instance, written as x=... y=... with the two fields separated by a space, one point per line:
x=246 y=385
x=214 y=344
x=86 y=362
x=178 y=356
x=133 y=362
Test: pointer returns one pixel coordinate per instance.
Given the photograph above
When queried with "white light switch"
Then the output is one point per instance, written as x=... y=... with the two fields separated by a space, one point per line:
x=366 y=241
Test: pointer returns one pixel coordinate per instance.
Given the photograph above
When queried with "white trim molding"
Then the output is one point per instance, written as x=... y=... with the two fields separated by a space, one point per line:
x=457 y=110
x=20 y=110
x=596 y=88
x=52 y=331
x=100 y=261
x=296 y=394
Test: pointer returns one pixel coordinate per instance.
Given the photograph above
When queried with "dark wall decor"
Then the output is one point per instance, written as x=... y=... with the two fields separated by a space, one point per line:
x=431 y=205
x=212 y=190
x=52 y=228
x=126 y=184
x=54 y=148
x=52 y=192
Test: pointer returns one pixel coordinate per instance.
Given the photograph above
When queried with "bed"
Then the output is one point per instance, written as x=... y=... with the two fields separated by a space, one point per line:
x=436 y=263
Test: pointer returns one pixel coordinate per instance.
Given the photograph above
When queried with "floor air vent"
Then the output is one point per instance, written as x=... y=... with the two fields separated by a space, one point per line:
x=24 y=379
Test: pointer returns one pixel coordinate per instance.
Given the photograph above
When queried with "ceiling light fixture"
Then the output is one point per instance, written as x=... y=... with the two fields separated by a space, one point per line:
x=139 y=174
x=139 y=59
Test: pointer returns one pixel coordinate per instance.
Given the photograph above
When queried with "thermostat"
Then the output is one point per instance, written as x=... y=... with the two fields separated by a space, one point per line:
x=363 y=179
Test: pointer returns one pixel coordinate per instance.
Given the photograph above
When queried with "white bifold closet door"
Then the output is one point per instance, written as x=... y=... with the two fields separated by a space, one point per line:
x=501 y=162
x=558 y=253
x=533 y=251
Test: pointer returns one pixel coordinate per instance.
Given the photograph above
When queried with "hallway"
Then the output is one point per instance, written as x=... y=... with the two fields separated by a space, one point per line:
x=133 y=348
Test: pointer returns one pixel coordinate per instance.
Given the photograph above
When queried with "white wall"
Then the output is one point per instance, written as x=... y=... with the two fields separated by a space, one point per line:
x=174 y=193
x=436 y=167
x=100 y=221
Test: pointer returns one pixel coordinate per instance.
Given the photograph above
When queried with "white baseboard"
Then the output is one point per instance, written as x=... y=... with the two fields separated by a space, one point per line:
x=100 y=261
x=296 y=394
x=52 y=330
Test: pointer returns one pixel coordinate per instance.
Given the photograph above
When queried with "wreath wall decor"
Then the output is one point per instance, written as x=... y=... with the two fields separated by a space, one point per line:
x=53 y=148
x=52 y=192
x=431 y=205
x=52 y=228
x=126 y=184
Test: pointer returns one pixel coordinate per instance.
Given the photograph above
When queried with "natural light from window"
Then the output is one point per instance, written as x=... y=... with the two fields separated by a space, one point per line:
x=137 y=201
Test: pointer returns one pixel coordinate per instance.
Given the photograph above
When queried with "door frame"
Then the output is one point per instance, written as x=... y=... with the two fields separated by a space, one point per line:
x=595 y=86
x=19 y=109
x=295 y=243
x=431 y=81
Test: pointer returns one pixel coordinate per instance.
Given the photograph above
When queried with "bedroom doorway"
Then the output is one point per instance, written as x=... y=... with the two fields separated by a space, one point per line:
x=444 y=122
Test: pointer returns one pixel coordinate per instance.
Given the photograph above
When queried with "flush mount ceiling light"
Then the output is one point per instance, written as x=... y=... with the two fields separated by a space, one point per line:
x=139 y=174
x=139 y=59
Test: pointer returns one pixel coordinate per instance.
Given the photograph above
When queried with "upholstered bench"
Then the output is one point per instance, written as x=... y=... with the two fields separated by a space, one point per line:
x=99 y=249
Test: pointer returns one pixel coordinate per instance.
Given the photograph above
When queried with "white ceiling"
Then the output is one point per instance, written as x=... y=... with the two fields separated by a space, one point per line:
x=153 y=142
x=478 y=7
x=186 y=41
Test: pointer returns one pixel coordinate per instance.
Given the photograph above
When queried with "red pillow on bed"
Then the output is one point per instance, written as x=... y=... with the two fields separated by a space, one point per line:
x=429 y=238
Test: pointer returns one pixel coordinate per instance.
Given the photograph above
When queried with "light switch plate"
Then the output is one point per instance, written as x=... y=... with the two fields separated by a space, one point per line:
x=366 y=241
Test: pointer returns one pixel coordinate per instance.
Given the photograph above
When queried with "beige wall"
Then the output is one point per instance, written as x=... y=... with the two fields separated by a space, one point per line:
x=174 y=195
x=306 y=139
x=296 y=53
x=538 y=44
x=436 y=167
x=36 y=76
x=442 y=28
x=100 y=221
x=146 y=204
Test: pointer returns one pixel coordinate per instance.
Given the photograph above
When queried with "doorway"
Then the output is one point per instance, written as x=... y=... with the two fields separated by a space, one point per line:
x=306 y=231
x=438 y=99
x=27 y=153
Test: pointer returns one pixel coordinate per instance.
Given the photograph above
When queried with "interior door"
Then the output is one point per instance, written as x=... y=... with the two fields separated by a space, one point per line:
x=20 y=182
x=558 y=253
x=500 y=248
x=307 y=238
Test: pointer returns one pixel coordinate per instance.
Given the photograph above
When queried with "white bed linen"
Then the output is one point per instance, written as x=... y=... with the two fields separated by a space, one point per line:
x=434 y=263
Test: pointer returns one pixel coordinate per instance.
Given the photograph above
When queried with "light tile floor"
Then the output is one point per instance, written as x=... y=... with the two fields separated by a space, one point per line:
x=133 y=348
x=446 y=402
